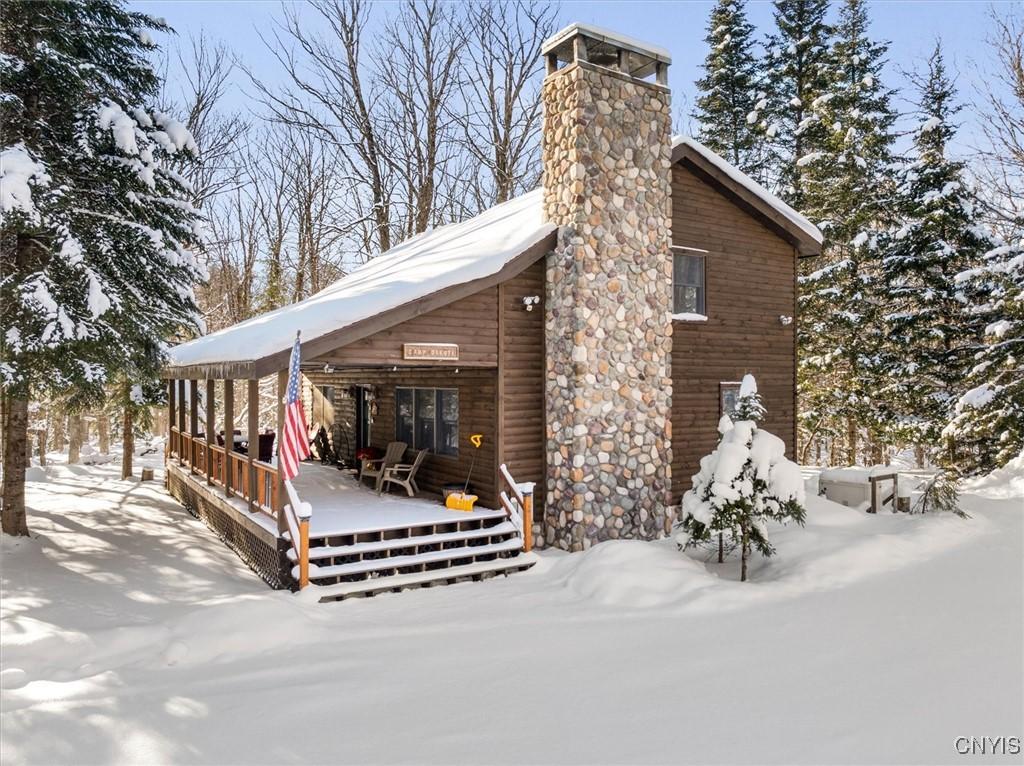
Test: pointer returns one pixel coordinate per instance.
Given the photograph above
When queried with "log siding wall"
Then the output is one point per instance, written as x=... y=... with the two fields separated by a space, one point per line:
x=477 y=407
x=521 y=384
x=750 y=283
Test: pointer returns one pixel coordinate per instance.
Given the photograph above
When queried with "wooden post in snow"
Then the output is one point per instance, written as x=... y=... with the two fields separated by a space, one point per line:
x=303 y=551
x=528 y=518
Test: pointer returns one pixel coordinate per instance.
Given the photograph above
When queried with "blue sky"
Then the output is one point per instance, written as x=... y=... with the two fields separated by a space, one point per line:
x=912 y=26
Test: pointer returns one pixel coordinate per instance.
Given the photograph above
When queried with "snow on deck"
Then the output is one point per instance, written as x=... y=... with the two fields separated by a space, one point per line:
x=343 y=506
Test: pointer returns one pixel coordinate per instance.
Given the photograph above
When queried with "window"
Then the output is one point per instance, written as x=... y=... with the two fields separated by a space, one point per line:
x=687 y=283
x=728 y=395
x=404 y=419
x=428 y=418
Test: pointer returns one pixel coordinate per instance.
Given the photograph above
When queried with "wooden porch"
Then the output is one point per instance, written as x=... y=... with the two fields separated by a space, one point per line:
x=354 y=542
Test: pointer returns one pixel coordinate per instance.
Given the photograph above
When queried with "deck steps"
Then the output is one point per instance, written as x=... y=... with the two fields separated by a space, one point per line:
x=388 y=563
x=474 y=571
x=396 y=543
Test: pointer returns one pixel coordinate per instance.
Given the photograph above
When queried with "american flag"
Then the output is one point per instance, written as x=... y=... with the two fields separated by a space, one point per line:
x=294 y=441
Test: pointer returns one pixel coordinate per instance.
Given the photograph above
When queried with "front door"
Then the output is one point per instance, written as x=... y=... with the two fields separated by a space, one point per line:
x=362 y=419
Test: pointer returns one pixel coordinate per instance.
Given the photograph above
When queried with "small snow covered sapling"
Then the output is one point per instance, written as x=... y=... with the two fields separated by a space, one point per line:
x=940 y=495
x=745 y=483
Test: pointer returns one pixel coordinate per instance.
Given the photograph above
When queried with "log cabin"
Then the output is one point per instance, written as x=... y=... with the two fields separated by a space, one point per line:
x=592 y=332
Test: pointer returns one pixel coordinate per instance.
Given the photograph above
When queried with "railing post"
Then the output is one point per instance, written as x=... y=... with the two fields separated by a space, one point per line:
x=193 y=422
x=181 y=419
x=528 y=517
x=254 y=439
x=277 y=492
x=229 y=434
x=171 y=417
x=210 y=425
x=303 y=551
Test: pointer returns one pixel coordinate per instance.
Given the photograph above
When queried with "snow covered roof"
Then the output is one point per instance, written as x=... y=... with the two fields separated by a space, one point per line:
x=424 y=271
x=615 y=39
x=456 y=254
x=808 y=236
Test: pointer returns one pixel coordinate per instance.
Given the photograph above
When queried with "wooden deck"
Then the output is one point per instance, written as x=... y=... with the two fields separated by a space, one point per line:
x=359 y=543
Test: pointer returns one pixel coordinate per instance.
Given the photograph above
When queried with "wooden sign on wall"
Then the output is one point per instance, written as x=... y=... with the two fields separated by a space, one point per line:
x=434 y=352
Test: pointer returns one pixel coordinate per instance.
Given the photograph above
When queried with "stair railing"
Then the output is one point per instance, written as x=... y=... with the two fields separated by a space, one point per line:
x=298 y=514
x=519 y=507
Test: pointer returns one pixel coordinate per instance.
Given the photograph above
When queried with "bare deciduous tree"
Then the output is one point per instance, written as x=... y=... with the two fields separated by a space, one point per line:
x=501 y=109
x=1001 y=117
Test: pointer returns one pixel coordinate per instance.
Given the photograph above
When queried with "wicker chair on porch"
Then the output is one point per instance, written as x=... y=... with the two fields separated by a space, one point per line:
x=376 y=468
x=403 y=474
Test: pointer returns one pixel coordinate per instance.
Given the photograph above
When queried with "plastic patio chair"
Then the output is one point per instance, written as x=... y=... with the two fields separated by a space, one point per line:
x=376 y=468
x=404 y=475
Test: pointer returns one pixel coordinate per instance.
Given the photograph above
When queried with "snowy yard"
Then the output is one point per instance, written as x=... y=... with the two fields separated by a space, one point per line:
x=132 y=635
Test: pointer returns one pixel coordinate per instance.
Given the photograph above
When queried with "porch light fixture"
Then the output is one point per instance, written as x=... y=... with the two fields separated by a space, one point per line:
x=785 y=321
x=328 y=369
x=530 y=301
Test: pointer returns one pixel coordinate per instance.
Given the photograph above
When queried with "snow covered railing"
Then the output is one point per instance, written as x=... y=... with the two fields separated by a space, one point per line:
x=519 y=507
x=297 y=514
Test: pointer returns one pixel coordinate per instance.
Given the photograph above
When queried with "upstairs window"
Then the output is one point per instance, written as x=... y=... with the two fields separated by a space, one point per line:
x=428 y=418
x=687 y=283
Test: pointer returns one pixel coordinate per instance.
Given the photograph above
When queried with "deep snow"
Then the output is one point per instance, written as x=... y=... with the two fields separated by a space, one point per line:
x=130 y=634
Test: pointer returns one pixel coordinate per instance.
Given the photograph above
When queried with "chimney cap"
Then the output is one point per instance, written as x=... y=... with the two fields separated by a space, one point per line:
x=603 y=44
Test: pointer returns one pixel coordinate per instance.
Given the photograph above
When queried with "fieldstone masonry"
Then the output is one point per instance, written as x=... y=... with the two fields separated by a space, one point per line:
x=607 y=182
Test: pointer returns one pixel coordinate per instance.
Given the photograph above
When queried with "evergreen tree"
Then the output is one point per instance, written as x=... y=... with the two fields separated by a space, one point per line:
x=731 y=100
x=848 y=189
x=745 y=483
x=797 y=75
x=97 y=230
x=934 y=326
x=988 y=419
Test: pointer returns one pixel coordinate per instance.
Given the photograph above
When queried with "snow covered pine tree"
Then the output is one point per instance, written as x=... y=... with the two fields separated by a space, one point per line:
x=730 y=97
x=848 y=187
x=796 y=68
x=934 y=324
x=745 y=483
x=988 y=421
x=97 y=231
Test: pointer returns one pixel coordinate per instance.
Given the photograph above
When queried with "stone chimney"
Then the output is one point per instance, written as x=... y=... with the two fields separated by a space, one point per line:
x=608 y=390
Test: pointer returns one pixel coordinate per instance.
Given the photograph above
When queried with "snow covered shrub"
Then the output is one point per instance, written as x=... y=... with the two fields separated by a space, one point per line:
x=940 y=495
x=746 y=482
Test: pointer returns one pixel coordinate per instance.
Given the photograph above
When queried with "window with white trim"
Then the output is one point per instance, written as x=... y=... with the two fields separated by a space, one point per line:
x=688 y=283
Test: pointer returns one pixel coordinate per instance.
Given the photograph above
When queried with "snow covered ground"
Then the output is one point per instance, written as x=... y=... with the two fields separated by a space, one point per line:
x=130 y=634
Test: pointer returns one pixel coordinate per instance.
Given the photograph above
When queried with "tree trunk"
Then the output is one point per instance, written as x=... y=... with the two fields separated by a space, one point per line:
x=745 y=554
x=74 y=438
x=12 y=518
x=103 y=432
x=919 y=456
x=721 y=548
x=57 y=429
x=876 y=453
x=851 y=438
x=128 y=434
x=41 y=440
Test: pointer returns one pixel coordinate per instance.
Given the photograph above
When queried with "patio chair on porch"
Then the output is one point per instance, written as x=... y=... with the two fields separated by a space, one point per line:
x=403 y=474
x=376 y=468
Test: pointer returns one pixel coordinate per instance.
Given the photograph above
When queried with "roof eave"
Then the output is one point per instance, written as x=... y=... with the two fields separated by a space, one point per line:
x=314 y=347
x=804 y=243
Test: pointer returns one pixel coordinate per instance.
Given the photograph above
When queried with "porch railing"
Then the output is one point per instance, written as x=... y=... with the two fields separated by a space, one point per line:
x=258 y=486
x=519 y=507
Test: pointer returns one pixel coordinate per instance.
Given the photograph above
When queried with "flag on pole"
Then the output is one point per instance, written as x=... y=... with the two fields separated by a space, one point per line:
x=295 y=440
